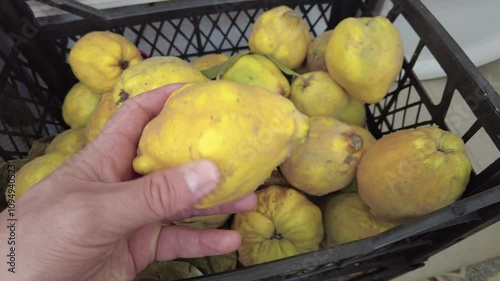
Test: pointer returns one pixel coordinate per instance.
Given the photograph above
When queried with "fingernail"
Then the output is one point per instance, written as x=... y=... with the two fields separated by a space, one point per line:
x=201 y=177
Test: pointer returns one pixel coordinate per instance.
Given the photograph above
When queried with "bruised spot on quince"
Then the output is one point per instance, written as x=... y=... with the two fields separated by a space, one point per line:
x=356 y=142
x=282 y=91
x=123 y=97
x=307 y=81
x=350 y=159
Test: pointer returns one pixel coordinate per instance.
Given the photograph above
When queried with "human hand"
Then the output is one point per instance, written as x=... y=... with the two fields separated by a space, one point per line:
x=95 y=219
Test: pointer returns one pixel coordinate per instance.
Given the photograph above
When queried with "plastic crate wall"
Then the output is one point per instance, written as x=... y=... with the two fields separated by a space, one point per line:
x=28 y=110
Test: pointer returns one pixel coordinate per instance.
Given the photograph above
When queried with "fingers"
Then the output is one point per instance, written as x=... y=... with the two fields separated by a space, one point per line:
x=142 y=245
x=165 y=196
x=159 y=196
x=185 y=242
x=245 y=204
x=115 y=147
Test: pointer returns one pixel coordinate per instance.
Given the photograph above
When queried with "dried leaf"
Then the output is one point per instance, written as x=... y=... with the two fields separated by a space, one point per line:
x=283 y=68
x=351 y=187
x=216 y=72
x=223 y=263
x=212 y=72
x=6 y=171
x=39 y=146
x=302 y=70
x=276 y=178
x=168 y=271
x=214 y=264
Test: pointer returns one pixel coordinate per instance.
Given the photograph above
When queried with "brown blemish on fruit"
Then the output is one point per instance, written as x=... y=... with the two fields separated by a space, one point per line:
x=281 y=90
x=307 y=81
x=191 y=152
x=350 y=159
x=356 y=142
x=123 y=97
x=215 y=119
x=123 y=64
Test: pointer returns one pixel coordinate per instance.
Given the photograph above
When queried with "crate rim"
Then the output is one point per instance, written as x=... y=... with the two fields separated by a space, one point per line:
x=174 y=9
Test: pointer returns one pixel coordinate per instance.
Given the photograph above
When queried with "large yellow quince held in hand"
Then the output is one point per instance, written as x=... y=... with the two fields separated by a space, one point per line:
x=365 y=56
x=78 y=105
x=282 y=34
x=153 y=73
x=285 y=223
x=98 y=58
x=246 y=130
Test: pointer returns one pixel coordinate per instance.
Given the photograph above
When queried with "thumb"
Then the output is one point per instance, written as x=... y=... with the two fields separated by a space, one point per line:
x=161 y=196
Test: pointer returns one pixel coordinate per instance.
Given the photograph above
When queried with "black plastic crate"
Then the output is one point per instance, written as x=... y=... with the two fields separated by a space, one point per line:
x=34 y=78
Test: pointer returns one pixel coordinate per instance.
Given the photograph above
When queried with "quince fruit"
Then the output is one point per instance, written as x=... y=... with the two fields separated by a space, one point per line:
x=98 y=58
x=316 y=52
x=98 y=119
x=78 y=104
x=328 y=161
x=246 y=130
x=354 y=113
x=70 y=141
x=257 y=70
x=285 y=223
x=409 y=173
x=346 y=218
x=365 y=56
x=153 y=73
x=208 y=61
x=36 y=170
x=316 y=94
x=282 y=34
x=368 y=138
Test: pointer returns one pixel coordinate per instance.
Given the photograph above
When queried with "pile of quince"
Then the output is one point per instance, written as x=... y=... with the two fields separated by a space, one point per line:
x=285 y=119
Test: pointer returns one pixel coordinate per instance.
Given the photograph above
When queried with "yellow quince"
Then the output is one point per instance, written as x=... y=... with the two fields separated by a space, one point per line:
x=246 y=130
x=283 y=34
x=99 y=57
x=98 y=119
x=70 y=141
x=365 y=56
x=78 y=104
x=153 y=73
x=36 y=170
x=285 y=223
x=208 y=61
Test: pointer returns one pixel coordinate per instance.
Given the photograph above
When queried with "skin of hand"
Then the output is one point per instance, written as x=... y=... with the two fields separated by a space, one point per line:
x=94 y=218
